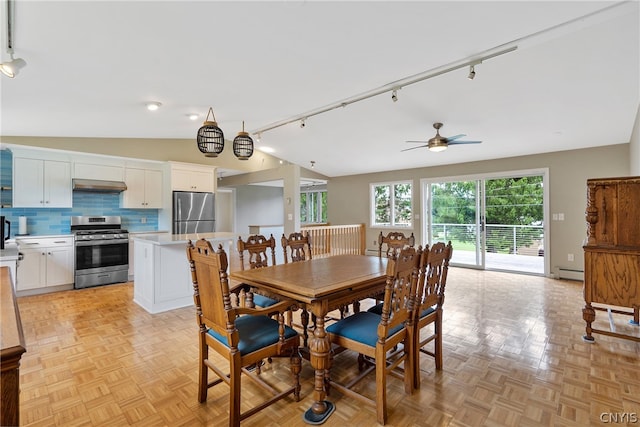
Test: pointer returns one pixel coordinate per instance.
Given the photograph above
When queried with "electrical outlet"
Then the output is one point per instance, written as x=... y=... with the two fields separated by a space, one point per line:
x=560 y=217
x=143 y=220
x=555 y=217
x=570 y=257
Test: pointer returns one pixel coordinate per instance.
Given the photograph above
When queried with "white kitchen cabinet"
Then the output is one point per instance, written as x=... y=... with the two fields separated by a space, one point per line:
x=185 y=177
x=45 y=262
x=41 y=183
x=98 y=171
x=144 y=189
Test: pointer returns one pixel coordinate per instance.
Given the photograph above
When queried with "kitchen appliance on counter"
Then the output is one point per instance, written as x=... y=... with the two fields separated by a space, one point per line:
x=102 y=250
x=193 y=212
x=5 y=230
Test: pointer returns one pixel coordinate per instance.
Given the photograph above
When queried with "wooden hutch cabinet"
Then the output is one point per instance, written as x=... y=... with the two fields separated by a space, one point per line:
x=612 y=251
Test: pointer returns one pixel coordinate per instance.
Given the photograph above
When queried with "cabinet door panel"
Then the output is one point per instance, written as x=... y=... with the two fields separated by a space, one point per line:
x=606 y=202
x=59 y=266
x=153 y=189
x=628 y=223
x=133 y=197
x=31 y=270
x=57 y=184
x=28 y=181
x=203 y=181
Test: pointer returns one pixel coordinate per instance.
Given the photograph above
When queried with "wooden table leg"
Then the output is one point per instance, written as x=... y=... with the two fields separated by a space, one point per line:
x=319 y=347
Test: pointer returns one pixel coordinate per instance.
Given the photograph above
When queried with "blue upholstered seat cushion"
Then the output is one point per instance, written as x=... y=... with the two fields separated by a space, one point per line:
x=262 y=301
x=377 y=309
x=255 y=333
x=361 y=327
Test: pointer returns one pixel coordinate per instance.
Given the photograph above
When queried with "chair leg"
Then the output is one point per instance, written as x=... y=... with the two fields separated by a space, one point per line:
x=304 y=319
x=381 y=388
x=234 y=394
x=296 y=367
x=438 y=343
x=203 y=372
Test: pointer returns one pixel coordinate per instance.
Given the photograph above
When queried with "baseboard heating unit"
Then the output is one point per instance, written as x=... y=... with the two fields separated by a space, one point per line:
x=570 y=273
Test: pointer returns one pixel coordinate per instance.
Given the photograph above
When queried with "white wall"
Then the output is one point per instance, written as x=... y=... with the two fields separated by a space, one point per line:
x=258 y=205
x=634 y=148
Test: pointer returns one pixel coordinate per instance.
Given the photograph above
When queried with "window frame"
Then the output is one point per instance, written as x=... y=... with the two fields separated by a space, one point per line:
x=318 y=206
x=372 y=204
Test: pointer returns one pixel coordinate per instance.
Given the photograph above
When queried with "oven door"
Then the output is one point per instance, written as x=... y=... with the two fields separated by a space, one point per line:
x=100 y=262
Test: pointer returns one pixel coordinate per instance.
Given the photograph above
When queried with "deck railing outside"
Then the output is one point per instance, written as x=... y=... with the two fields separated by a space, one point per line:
x=329 y=240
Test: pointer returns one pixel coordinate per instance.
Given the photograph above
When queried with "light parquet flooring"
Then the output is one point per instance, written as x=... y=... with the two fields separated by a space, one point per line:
x=513 y=356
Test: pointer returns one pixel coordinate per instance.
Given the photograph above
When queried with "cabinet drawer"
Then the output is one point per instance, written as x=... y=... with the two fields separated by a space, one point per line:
x=42 y=242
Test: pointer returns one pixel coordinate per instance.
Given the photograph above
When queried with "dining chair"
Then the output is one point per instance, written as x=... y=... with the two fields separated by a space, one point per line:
x=378 y=337
x=434 y=267
x=259 y=250
x=393 y=242
x=297 y=247
x=241 y=335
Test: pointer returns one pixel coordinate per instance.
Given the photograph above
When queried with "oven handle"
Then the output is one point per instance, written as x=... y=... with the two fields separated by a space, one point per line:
x=102 y=242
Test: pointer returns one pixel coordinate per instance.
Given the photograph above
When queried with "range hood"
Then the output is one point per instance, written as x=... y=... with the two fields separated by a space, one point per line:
x=98 y=186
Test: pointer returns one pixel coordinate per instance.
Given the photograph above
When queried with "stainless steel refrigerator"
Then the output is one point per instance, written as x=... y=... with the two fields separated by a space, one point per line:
x=193 y=212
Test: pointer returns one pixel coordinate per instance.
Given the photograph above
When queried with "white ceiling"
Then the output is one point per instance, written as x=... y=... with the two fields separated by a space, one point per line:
x=91 y=66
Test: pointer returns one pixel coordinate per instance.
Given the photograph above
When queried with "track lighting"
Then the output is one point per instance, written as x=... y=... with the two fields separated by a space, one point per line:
x=394 y=95
x=472 y=72
x=313 y=164
x=11 y=68
x=303 y=123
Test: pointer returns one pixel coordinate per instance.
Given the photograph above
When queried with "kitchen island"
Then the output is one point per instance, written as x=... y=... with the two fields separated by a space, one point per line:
x=162 y=278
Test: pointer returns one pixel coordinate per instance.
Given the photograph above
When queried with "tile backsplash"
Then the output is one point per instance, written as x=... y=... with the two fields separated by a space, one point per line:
x=42 y=221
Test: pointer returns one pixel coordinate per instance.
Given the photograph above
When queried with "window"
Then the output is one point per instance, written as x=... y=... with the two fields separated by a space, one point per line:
x=313 y=207
x=391 y=204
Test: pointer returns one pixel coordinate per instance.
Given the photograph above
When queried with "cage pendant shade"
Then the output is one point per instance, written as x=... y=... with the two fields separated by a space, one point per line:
x=210 y=137
x=243 y=145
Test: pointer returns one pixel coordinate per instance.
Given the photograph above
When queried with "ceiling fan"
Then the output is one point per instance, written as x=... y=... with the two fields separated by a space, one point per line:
x=440 y=143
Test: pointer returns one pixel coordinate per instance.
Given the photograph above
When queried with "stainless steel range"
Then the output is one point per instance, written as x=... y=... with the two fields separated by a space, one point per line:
x=102 y=250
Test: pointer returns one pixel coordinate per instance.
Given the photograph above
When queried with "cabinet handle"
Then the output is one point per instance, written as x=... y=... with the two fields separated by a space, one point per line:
x=59 y=241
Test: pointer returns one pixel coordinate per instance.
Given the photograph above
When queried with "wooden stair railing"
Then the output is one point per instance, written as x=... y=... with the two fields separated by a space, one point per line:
x=329 y=240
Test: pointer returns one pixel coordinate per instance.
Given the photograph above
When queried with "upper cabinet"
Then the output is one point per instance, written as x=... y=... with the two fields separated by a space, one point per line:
x=41 y=183
x=144 y=189
x=190 y=177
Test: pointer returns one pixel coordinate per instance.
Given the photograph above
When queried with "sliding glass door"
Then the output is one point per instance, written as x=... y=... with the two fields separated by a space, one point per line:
x=493 y=222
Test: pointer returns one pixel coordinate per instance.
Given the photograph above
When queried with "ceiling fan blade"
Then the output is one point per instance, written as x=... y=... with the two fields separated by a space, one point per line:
x=453 y=138
x=464 y=142
x=413 y=148
x=420 y=142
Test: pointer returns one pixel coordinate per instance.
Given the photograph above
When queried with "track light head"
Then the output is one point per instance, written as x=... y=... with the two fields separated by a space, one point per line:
x=394 y=95
x=11 y=68
x=303 y=123
x=472 y=72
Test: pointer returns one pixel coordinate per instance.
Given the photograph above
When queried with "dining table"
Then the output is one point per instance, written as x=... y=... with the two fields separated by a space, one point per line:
x=320 y=285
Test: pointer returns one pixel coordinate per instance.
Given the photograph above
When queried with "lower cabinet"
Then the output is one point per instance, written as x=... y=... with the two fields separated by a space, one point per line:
x=45 y=262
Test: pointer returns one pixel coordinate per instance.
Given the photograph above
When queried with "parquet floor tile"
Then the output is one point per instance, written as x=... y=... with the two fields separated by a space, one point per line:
x=513 y=356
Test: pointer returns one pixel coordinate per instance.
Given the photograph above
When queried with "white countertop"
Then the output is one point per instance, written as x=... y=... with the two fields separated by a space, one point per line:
x=175 y=239
x=9 y=253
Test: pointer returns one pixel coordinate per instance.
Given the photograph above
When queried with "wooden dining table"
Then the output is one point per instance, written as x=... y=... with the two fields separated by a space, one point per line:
x=321 y=285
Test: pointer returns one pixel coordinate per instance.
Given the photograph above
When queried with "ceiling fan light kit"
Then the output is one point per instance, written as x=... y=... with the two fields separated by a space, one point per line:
x=440 y=143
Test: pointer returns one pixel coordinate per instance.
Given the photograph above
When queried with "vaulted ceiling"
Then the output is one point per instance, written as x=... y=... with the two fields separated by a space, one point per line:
x=572 y=81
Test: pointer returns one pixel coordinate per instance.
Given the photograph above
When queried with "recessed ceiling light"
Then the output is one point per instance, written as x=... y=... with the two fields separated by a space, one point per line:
x=266 y=149
x=193 y=116
x=153 y=106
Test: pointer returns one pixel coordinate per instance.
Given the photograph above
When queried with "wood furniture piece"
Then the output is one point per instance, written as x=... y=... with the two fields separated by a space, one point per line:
x=298 y=247
x=322 y=285
x=243 y=336
x=379 y=337
x=260 y=249
x=434 y=266
x=612 y=251
x=394 y=241
x=12 y=346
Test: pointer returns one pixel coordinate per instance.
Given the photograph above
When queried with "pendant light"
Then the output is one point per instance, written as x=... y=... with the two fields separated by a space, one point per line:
x=210 y=137
x=243 y=145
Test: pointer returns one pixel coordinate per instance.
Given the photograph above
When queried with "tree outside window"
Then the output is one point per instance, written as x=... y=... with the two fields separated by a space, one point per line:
x=392 y=204
x=313 y=207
